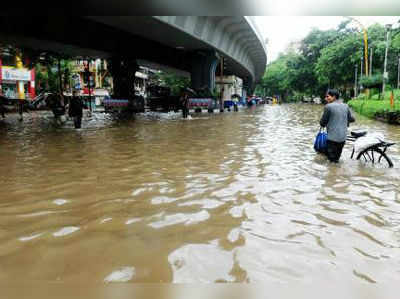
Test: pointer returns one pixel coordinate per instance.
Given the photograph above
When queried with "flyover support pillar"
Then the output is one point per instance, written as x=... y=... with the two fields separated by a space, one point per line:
x=248 y=87
x=202 y=73
x=122 y=70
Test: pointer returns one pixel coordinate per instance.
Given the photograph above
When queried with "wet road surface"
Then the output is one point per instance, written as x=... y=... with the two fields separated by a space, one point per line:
x=232 y=197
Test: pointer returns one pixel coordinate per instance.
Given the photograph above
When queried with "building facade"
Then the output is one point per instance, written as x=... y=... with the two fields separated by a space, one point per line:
x=16 y=82
x=232 y=85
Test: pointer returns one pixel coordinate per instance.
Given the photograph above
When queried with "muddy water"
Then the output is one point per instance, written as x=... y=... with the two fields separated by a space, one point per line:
x=233 y=197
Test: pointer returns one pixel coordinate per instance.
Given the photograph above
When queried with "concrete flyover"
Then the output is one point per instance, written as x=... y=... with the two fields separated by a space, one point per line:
x=236 y=38
x=192 y=44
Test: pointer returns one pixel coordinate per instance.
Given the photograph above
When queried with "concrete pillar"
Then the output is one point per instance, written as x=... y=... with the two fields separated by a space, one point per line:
x=123 y=72
x=20 y=84
x=203 y=65
x=248 y=86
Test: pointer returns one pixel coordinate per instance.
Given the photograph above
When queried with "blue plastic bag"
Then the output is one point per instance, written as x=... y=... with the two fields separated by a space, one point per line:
x=320 y=143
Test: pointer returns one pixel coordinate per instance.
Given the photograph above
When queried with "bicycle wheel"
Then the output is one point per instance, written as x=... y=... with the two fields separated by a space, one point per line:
x=374 y=155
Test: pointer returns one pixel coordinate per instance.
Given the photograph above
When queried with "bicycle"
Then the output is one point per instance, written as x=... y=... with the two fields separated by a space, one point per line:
x=368 y=153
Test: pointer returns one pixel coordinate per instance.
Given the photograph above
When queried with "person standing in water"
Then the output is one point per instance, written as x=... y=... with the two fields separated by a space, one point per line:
x=185 y=104
x=336 y=118
x=75 y=110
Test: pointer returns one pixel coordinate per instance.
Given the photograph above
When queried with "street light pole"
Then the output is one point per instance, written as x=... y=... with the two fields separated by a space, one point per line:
x=385 y=75
x=370 y=60
x=365 y=43
x=361 y=72
x=366 y=51
x=355 y=81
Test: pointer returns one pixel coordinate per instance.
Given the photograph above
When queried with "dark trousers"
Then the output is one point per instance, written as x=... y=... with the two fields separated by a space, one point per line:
x=185 y=112
x=20 y=108
x=334 y=150
x=77 y=121
x=235 y=107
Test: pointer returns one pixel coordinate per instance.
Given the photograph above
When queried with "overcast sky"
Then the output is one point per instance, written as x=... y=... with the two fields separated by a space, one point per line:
x=281 y=30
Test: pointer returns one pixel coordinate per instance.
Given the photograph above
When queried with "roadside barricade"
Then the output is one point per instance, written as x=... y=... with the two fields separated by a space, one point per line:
x=115 y=104
x=205 y=103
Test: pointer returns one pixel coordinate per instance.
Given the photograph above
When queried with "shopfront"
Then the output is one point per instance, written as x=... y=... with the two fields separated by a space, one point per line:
x=17 y=83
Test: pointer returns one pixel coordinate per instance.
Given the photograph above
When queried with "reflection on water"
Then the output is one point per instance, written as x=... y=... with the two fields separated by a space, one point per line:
x=233 y=197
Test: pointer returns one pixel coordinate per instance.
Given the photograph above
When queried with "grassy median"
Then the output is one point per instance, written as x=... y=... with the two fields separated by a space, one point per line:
x=373 y=105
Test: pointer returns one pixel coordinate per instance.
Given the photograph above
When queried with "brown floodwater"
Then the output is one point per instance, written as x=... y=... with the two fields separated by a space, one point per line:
x=232 y=197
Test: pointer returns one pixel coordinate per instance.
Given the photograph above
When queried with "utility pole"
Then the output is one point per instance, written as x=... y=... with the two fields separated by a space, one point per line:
x=355 y=81
x=361 y=67
x=361 y=72
x=370 y=61
x=385 y=74
x=365 y=43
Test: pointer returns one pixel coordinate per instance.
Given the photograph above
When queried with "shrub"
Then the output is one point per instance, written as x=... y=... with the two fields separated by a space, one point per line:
x=374 y=81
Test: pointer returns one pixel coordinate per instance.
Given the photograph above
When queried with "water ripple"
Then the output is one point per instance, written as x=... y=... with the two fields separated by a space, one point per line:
x=230 y=197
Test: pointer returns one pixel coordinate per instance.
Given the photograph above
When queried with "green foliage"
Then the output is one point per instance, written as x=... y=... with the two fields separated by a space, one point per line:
x=327 y=59
x=374 y=81
x=259 y=91
x=396 y=42
x=332 y=67
x=362 y=96
x=275 y=80
x=171 y=80
x=374 y=93
x=370 y=107
x=298 y=96
x=315 y=41
x=48 y=77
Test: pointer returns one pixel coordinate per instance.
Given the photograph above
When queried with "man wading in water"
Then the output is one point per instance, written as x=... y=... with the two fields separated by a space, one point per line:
x=76 y=106
x=336 y=118
x=185 y=103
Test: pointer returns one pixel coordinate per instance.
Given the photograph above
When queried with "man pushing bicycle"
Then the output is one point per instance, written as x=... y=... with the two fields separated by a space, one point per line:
x=336 y=118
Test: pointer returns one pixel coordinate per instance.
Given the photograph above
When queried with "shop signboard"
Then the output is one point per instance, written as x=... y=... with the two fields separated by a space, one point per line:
x=13 y=74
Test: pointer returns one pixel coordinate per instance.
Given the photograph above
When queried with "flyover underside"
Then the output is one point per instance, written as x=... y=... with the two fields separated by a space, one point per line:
x=82 y=37
x=170 y=36
x=77 y=36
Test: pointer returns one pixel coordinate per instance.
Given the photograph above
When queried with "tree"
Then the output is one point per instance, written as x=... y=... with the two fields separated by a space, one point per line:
x=374 y=81
x=53 y=72
x=327 y=59
x=315 y=41
x=335 y=66
x=310 y=49
x=174 y=82
x=275 y=80
x=300 y=76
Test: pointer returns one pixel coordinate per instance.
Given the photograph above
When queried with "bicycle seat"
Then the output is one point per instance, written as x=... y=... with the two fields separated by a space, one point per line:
x=358 y=133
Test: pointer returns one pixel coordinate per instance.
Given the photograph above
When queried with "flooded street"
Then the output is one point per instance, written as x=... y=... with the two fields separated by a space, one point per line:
x=233 y=197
